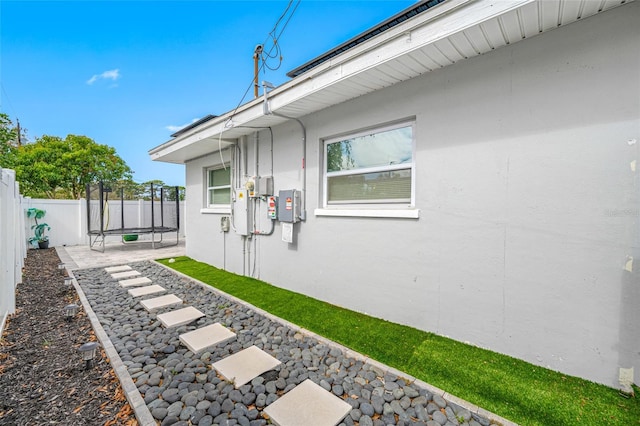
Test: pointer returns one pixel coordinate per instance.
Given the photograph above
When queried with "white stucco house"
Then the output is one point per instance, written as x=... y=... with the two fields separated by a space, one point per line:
x=468 y=168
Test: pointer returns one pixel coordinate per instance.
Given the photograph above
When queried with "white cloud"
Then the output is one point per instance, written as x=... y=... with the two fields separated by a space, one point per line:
x=174 y=129
x=107 y=75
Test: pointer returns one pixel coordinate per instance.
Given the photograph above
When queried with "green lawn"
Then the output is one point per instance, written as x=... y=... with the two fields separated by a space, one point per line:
x=514 y=389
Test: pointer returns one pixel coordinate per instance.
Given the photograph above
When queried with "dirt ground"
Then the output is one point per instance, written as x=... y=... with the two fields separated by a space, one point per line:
x=43 y=379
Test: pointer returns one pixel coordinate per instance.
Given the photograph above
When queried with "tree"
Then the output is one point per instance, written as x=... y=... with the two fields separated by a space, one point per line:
x=145 y=189
x=37 y=167
x=52 y=167
x=169 y=191
x=130 y=189
x=8 y=141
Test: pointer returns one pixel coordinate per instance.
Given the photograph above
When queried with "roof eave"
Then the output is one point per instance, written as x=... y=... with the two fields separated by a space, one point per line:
x=368 y=67
x=220 y=127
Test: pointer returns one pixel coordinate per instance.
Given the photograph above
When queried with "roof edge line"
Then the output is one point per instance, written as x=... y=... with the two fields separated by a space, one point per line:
x=397 y=19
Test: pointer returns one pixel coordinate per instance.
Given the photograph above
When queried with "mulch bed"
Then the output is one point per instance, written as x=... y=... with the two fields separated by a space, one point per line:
x=43 y=379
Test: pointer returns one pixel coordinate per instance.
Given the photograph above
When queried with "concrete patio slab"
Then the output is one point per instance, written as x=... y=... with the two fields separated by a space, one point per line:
x=180 y=317
x=246 y=365
x=132 y=282
x=147 y=290
x=116 y=253
x=114 y=269
x=160 y=302
x=125 y=274
x=206 y=337
x=308 y=404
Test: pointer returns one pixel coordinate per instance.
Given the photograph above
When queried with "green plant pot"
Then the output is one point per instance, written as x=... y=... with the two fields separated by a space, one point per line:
x=43 y=244
x=130 y=237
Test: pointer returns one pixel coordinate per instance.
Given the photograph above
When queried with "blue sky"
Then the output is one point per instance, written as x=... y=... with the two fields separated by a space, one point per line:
x=129 y=73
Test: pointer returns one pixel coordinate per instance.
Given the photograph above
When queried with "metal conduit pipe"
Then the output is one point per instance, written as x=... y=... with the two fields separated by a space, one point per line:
x=256 y=140
x=255 y=207
x=267 y=110
x=303 y=212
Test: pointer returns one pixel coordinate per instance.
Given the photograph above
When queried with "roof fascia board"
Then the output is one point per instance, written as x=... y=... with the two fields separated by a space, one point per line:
x=400 y=40
x=219 y=123
x=364 y=36
x=215 y=130
x=159 y=153
x=184 y=141
x=436 y=12
x=274 y=96
x=438 y=23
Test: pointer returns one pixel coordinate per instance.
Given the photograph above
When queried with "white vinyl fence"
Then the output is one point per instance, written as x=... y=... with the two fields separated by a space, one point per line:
x=13 y=242
x=68 y=218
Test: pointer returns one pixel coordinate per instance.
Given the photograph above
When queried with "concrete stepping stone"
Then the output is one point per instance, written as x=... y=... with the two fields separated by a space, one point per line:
x=206 y=337
x=131 y=282
x=244 y=366
x=179 y=317
x=146 y=290
x=160 y=302
x=125 y=274
x=308 y=404
x=112 y=269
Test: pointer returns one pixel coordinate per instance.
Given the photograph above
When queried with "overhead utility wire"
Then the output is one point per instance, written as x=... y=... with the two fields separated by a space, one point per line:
x=6 y=95
x=270 y=50
x=270 y=35
x=275 y=41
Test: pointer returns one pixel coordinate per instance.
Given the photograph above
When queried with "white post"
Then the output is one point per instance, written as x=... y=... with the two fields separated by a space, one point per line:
x=140 y=213
x=82 y=223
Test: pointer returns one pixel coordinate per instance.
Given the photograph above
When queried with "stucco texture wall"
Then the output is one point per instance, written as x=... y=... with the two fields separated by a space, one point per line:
x=528 y=198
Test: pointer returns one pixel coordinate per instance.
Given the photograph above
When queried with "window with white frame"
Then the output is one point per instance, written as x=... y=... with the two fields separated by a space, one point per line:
x=218 y=187
x=373 y=167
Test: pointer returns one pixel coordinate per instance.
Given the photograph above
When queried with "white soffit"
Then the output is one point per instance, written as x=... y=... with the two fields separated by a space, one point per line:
x=448 y=33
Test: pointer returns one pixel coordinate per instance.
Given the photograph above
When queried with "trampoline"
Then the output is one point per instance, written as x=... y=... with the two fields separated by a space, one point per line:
x=109 y=214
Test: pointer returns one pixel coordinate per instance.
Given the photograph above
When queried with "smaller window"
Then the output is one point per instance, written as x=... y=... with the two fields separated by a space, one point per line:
x=219 y=187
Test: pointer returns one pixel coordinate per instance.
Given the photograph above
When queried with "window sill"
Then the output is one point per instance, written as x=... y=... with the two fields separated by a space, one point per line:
x=216 y=210
x=400 y=214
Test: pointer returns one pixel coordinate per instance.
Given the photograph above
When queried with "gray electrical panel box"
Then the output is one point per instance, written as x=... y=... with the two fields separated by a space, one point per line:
x=241 y=216
x=289 y=206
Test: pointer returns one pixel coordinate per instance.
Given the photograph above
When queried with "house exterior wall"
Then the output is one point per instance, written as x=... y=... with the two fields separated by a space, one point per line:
x=527 y=187
x=205 y=240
